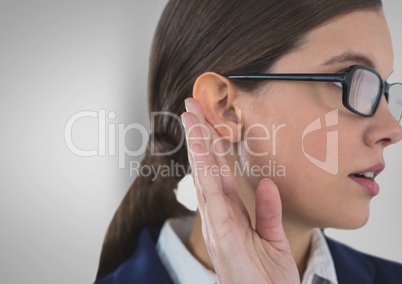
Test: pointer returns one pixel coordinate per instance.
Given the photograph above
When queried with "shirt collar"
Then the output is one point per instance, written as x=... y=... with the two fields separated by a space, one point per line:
x=320 y=265
x=181 y=265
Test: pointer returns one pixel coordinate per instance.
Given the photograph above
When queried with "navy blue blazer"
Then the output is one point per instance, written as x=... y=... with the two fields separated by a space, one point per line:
x=352 y=267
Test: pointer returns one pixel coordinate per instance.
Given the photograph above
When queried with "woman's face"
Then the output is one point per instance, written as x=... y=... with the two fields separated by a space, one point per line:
x=314 y=193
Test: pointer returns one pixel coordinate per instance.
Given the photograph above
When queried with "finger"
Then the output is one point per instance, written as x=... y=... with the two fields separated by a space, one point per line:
x=218 y=160
x=216 y=146
x=214 y=143
x=212 y=206
x=201 y=160
x=229 y=182
x=269 y=215
x=194 y=107
x=217 y=165
x=190 y=122
x=215 y=207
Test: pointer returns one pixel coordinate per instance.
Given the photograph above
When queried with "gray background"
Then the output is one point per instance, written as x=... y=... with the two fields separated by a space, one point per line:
x=58 y=58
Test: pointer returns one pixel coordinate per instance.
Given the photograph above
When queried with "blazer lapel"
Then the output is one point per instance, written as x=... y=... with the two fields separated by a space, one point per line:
x=350 y=265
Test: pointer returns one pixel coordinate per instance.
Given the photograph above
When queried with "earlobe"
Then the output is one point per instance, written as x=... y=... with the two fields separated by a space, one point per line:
x=217 y=97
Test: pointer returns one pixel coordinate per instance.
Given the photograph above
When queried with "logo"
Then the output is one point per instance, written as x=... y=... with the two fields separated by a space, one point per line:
x=111 y=141
x=330 y=164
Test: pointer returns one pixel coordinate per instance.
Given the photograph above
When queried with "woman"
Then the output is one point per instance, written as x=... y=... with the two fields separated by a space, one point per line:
x=285 y=135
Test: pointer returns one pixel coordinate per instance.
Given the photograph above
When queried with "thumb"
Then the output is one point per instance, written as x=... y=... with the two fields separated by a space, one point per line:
x=269 y=215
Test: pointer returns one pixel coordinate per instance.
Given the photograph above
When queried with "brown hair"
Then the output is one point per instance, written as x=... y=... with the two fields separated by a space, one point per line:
x=193 y=37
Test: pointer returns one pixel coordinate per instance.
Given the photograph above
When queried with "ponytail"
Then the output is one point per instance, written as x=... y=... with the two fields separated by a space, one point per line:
x=149 y=202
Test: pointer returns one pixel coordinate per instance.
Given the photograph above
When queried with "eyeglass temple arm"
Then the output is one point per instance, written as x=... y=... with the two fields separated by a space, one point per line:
x=291 y=77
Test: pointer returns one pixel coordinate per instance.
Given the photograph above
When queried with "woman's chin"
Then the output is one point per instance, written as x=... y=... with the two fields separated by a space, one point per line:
x=352 y=221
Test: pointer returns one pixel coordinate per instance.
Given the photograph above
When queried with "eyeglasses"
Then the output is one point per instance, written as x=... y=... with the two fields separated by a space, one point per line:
x=361 y=86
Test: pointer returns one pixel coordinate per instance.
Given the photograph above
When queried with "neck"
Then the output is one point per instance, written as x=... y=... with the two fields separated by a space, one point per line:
x=300 y=241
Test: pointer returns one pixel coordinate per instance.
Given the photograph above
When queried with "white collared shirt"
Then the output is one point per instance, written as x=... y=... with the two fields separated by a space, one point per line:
x=320 y=266
x=181 y=265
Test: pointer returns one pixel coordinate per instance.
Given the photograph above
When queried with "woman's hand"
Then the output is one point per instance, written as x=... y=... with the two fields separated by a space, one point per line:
x=239 y=253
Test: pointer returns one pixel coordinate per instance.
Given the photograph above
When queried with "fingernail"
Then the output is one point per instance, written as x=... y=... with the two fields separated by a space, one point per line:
x=183 y=119
x=186 y=103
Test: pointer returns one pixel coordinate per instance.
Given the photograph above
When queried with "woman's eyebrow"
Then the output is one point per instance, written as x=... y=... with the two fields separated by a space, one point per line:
x=351 y=57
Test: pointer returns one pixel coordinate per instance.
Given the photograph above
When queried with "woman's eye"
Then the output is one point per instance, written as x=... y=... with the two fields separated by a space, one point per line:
x=335 y=87
x=338 y=84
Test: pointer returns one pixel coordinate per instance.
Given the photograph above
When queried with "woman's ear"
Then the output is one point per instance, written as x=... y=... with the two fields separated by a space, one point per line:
x=217 y=96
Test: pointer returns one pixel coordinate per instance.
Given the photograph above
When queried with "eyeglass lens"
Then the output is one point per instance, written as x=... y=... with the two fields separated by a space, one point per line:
x=395 y=101
x=364 y=91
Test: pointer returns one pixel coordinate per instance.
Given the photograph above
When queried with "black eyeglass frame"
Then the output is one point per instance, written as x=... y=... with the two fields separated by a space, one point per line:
x=344 y=78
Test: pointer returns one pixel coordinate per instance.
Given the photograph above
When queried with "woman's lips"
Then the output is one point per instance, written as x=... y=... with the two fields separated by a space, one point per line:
x=365 y=178
x=368 y=184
